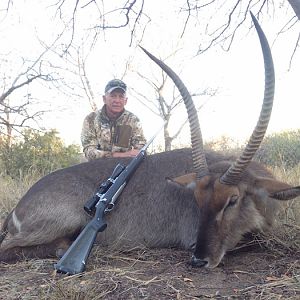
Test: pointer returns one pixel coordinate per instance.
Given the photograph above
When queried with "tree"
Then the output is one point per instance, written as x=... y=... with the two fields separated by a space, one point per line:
x=16 y=112
x=164 y=102
x=14 y=116
x=29 y=79
x=19 y=73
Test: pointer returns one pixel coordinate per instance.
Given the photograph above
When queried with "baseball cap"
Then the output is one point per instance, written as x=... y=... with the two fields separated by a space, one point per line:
x=115 y=84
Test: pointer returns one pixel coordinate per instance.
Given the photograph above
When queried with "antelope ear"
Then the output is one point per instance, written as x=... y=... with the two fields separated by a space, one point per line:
x=187 y=180
x=278 y=189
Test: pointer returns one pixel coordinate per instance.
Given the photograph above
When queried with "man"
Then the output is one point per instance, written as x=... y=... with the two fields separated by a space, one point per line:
x=112 y=131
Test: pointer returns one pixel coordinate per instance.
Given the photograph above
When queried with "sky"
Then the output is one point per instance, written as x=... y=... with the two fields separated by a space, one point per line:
x=237 y=75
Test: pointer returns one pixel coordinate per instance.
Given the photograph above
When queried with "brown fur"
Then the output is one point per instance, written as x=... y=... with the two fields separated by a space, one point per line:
x=230 y=211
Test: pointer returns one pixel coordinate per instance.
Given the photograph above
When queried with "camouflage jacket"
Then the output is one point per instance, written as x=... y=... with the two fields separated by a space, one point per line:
x=101 y=136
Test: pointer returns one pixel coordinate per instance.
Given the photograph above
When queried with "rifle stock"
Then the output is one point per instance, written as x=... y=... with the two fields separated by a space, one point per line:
x=74 y=260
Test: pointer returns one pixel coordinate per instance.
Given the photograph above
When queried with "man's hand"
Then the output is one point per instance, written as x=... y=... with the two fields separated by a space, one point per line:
x=130 y=153
x=92 y=153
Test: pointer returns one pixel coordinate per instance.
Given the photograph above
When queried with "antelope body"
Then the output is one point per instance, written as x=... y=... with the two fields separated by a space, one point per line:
x=207 y=209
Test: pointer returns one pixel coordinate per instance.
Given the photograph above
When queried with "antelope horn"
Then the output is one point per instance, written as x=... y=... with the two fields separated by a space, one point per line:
x=198 y=155
x=234 y=173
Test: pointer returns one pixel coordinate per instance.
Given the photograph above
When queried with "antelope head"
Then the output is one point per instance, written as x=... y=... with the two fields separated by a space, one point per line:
x=234 y=197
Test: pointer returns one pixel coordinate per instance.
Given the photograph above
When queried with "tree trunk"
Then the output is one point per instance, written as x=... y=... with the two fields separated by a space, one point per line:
x=8 y=126
x=168 y=139
x=296 y=7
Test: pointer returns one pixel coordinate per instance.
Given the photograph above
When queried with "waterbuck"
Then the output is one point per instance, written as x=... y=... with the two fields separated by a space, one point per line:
x=207 y=209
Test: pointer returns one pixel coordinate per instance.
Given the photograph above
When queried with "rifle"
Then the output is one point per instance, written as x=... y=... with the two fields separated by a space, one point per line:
x=74 y=260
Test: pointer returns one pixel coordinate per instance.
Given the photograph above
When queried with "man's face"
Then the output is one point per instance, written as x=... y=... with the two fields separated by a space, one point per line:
x=115 y=101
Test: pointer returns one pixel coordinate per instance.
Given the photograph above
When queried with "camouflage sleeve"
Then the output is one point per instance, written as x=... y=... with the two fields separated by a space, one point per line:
x=92 y=153
x=89 y=139
x=138 y=139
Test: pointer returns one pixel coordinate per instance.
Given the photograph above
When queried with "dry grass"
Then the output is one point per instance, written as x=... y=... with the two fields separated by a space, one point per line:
x=11 y=191
x=157 y=274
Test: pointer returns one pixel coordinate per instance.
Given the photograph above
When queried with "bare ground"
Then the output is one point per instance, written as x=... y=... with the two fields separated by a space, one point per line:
x=257 y=271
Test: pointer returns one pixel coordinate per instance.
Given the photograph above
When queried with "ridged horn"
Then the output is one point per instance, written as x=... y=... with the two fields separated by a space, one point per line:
x=198 y=155
x=234 y=173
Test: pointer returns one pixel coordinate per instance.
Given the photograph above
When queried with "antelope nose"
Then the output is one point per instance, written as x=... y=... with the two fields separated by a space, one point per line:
x=198 y=262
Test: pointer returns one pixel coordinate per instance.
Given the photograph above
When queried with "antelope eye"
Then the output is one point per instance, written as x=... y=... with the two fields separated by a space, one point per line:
x=233 y=200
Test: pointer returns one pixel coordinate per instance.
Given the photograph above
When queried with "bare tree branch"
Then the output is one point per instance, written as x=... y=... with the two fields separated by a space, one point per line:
x=85 y=82
x=9 y=3
x=294 y=51
x=223 y=29
x=125 y=11
x=290 y=24
x=236 y=14
x=15 y=87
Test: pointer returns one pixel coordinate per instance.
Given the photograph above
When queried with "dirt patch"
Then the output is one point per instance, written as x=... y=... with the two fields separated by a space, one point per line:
x=257 y=273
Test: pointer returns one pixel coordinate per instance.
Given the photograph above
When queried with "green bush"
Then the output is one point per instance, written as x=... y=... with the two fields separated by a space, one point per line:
x=36 y=152
x=280 y=149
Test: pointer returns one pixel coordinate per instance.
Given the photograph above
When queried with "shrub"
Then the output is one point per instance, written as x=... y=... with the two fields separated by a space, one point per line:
x=38 y=152
x=280 y=149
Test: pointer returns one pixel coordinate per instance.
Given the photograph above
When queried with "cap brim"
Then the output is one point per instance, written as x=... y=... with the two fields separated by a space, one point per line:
x=116 y=88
